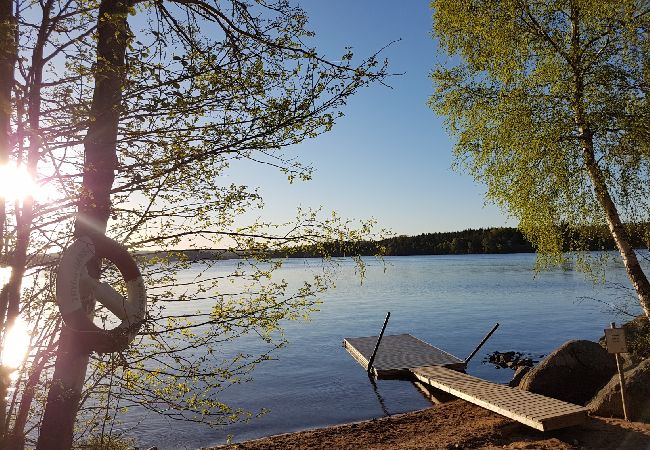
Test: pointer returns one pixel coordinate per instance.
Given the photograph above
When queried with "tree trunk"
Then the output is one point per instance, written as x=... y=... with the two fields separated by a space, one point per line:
x=8 y=58
x=7 y=62
x=616 y=228
x=93 y=213
x=586 y=139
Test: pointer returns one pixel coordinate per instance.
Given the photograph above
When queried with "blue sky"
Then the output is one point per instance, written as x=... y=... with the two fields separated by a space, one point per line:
x=390 y=156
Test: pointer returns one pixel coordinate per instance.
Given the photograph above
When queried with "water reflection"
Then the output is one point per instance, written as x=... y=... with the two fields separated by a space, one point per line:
x=382 y=402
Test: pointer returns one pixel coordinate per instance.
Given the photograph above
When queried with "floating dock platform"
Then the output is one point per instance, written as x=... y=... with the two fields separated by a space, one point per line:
x=398 y=354
x=406 y=357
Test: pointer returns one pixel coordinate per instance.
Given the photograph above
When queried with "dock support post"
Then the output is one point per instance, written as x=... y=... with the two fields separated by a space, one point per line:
x=478 y=347
x=374 y=352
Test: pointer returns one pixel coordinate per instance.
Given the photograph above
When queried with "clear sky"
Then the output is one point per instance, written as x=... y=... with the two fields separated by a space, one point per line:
x=390 y=156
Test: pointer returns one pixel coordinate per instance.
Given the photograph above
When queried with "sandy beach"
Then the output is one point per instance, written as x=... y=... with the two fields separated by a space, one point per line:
x=457 y=424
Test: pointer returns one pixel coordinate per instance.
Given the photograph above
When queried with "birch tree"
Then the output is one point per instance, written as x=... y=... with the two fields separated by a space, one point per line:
x=549 y=105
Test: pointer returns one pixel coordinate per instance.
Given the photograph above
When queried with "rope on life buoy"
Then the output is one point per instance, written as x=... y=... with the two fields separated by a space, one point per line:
x=72 y=279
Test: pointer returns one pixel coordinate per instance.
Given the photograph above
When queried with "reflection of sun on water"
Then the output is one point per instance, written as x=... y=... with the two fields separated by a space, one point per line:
x=16 y=342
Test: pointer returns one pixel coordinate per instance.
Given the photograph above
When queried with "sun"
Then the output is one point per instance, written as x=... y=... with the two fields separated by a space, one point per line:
x=16 y=183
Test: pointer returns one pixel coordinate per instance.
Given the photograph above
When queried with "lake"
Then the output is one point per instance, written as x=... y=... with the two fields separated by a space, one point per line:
x=448 y=301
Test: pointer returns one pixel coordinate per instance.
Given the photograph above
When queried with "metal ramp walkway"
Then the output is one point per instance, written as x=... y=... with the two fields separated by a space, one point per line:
x=406 y=357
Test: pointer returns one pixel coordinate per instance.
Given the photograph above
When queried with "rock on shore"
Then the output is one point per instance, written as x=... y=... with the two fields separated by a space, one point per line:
x=573 y=373
x=608 y=403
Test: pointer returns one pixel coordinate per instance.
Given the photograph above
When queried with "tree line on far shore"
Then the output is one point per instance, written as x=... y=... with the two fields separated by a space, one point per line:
x=474 y=241
x=470 y=241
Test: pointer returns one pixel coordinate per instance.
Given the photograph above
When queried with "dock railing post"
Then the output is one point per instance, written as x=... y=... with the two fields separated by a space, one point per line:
x=374 y=352
x=478 y=347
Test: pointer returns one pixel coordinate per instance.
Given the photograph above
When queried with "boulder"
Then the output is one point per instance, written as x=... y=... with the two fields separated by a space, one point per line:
x=519 y=374
x=607 y=401
x=573 y=373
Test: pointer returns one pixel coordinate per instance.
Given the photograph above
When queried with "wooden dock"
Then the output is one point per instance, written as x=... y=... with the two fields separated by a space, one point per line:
x=537 y=411
x=404 y=356
x=398 y=354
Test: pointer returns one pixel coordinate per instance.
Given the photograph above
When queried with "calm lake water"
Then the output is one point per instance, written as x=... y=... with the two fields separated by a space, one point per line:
x=448 y=301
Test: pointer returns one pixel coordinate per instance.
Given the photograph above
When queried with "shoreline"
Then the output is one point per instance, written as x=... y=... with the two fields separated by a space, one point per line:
x=456 y=424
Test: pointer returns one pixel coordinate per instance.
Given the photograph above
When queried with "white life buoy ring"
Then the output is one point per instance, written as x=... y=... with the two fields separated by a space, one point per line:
x=72 y=277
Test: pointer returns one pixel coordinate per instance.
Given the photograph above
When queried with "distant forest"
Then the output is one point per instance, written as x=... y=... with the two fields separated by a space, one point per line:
x=482 y=240
x=471 y=241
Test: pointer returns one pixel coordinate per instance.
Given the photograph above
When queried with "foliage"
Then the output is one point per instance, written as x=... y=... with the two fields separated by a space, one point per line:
x=105 y=443
x=202 y=86
x=548 y=102
x=637 y=337
x=508 y=99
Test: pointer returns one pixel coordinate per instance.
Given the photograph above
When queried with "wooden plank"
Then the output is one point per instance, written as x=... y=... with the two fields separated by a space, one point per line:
x=534 y=410
x=355 y=354
x=397 y=354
